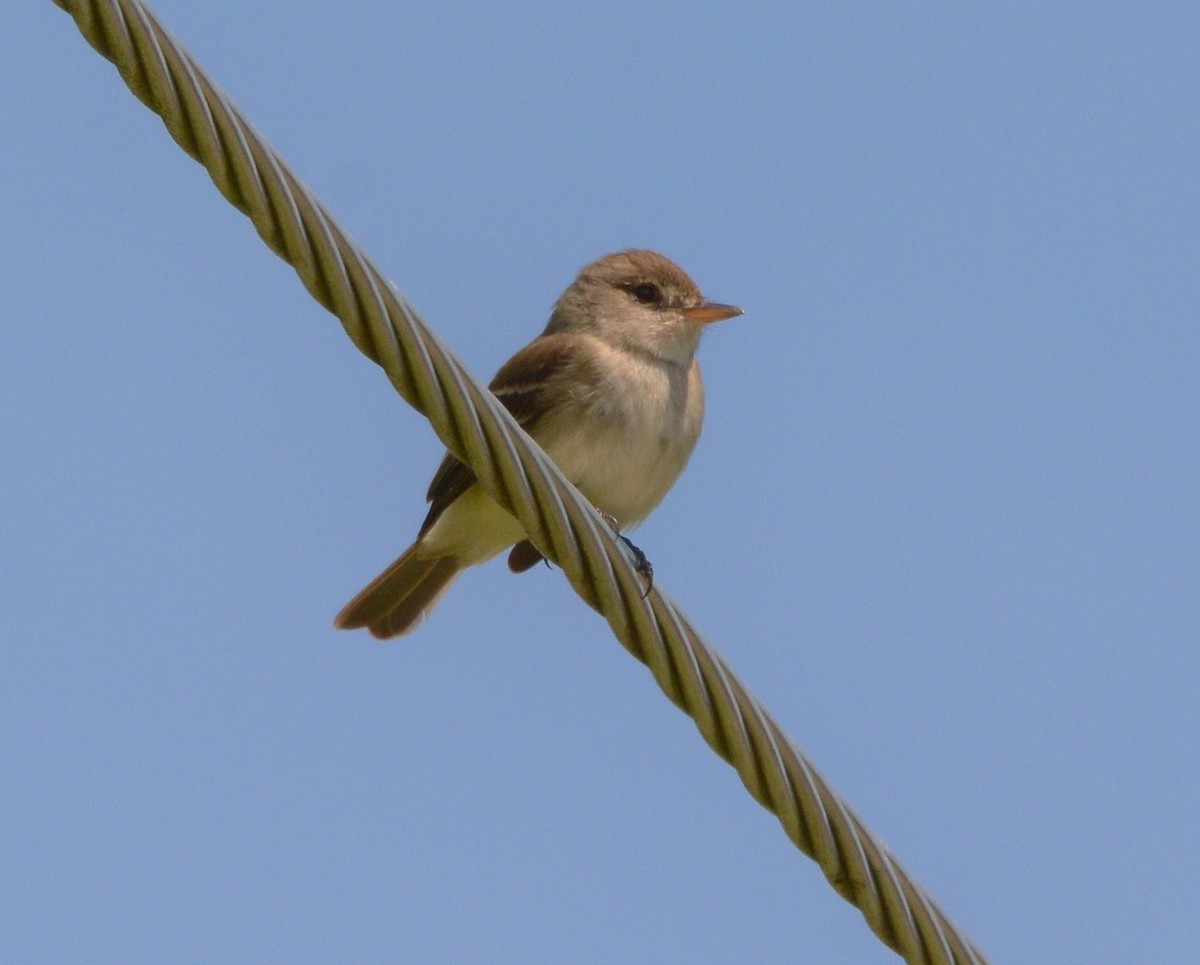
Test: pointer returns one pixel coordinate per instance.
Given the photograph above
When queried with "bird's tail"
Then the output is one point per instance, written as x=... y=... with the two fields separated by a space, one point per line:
x=399 y=598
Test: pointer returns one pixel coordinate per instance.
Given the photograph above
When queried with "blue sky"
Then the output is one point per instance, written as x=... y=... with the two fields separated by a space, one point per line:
x=943 y=518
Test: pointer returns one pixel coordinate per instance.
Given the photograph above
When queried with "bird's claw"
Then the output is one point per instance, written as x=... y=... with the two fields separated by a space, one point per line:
x=644 y=569
x=640 y=563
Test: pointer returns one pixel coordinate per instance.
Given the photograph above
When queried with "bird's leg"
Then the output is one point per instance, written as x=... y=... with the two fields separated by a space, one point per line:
x=643 y=566
x=525 y=556
x=640 y=563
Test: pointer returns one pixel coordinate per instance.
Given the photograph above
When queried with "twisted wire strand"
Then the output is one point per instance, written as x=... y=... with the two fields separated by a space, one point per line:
x=514 y=471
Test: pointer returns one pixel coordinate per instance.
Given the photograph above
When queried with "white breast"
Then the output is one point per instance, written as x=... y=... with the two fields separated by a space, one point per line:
x=627 y=443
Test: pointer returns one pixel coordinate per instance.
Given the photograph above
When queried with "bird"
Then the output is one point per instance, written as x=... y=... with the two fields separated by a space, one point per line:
x=611 y=390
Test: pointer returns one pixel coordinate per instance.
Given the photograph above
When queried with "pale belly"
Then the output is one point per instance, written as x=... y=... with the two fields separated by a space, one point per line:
x=622 y=457
x=472 y=529
x=622 y=472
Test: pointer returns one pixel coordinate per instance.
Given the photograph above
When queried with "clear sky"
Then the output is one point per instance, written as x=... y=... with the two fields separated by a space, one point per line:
x=943 y=518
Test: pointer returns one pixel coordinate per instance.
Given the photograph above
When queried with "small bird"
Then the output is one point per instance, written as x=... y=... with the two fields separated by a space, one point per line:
x=610 y=390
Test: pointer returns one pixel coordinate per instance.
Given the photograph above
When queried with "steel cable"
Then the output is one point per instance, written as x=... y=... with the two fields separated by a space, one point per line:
x=465 y=416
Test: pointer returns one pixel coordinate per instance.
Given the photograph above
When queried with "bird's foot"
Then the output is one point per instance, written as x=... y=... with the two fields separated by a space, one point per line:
x=640 y=563
x=644 y=569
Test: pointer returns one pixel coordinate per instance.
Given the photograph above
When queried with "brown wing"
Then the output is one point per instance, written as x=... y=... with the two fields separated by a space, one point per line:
x=519 y=386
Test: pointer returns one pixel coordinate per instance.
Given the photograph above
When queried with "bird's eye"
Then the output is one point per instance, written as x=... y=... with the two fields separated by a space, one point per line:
x=647 y=294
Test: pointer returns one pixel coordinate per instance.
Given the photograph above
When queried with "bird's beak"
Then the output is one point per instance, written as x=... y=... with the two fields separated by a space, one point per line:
x=710 y=312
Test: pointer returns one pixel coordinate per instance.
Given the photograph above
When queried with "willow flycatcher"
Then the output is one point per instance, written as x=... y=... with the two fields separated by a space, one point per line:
x=610 y=390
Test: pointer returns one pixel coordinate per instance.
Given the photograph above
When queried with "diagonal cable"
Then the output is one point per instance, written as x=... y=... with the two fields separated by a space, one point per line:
x=514 y=471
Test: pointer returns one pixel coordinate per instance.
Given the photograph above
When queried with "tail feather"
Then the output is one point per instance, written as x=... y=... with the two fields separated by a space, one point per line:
x=399 y=598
